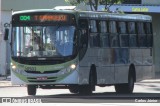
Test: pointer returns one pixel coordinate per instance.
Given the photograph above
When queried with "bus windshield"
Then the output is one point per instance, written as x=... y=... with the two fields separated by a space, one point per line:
x=43 y=41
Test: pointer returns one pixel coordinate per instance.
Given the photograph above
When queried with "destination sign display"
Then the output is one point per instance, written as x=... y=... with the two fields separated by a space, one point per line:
x=43 y=18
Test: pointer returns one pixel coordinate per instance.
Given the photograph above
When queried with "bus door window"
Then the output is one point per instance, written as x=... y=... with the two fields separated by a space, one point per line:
x=94 y=36
x=142 y=38
x=104 y=36
x=83 y=25
x=132 y=34
x=83 y=43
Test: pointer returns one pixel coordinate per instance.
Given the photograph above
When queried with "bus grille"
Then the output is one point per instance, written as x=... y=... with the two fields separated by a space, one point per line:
x=41 y=81
x=45 y=72
x=49 y=79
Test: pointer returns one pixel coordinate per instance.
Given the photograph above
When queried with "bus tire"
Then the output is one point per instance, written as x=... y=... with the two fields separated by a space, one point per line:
x=31 y=89
x=128 y=87
x=88 y=88
x=85 y=90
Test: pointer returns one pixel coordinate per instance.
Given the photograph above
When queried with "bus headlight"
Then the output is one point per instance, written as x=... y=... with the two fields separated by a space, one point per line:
x=71 y=68
x=13 y=67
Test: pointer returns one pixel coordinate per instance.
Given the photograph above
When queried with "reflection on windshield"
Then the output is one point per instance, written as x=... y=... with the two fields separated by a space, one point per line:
x=38 y=41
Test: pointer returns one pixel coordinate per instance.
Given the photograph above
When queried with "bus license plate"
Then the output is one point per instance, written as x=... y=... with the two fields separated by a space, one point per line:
x=42 y=78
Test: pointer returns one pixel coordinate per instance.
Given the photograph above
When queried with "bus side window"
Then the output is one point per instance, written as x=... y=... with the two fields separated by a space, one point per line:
x=132 y=34
x=142 y=38
x=104 y=36
x=94 y=36
x=148 y=28
x=124 y=38
x=114 y=40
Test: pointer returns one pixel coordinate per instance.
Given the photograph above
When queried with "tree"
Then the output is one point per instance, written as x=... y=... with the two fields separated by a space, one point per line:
x=94 y=3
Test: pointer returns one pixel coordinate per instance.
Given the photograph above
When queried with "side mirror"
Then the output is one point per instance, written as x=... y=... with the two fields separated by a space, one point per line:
x=6 y=34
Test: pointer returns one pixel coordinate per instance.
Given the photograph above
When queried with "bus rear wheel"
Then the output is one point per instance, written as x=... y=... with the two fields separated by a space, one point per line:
x=31 y=89
x=126 y=88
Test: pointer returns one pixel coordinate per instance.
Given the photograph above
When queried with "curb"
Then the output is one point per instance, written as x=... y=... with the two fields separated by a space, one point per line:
x=150 y=81
x=5 y=83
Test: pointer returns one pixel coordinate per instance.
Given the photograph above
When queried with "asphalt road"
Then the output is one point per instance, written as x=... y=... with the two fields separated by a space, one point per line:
x=144 y=92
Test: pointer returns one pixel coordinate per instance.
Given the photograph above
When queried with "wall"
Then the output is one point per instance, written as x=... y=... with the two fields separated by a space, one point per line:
x=156 y=32
x=0 y=39
x=4 y=45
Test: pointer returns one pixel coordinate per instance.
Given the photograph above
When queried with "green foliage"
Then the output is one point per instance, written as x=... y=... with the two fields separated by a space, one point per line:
x=94 y=3
x=110 y=1
x=76 y=2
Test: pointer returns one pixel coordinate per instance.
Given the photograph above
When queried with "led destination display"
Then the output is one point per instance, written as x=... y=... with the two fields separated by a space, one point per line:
x=43 y=18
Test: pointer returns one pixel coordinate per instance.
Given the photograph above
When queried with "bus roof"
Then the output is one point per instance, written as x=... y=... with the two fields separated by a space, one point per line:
x=94 y=15
x=44 y=10
x=117 y=16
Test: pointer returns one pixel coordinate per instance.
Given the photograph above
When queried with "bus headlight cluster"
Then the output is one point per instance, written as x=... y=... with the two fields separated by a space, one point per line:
x=71 y=68
x=15 y=69
x=13 y=66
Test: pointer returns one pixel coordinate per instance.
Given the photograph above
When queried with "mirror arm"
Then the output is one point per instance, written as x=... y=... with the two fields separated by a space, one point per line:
x=6 y=34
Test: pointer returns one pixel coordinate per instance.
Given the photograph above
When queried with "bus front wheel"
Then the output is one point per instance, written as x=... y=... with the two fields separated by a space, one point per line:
x=74 y=89
x=88 y=88
x=126 y=88
x=31 y=89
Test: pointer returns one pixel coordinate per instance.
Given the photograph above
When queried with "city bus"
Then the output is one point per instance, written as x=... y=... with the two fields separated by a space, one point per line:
x=79 y=50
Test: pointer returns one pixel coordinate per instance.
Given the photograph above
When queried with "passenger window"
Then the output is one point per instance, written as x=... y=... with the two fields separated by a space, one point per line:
x=104 y=40
x=103 y=26
x=124 y=39
x=94 y=40
x=93 y=26
x=150 y=40
x=133 y=40
x=149 y=34
x=104 y=36
x=132 y=34
x=112 y=27
x=131 y=28
x=114 y=40
x=94 y=35
x=122 y=27
x=142 y=38
x=140 y=28
x=148 y=28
